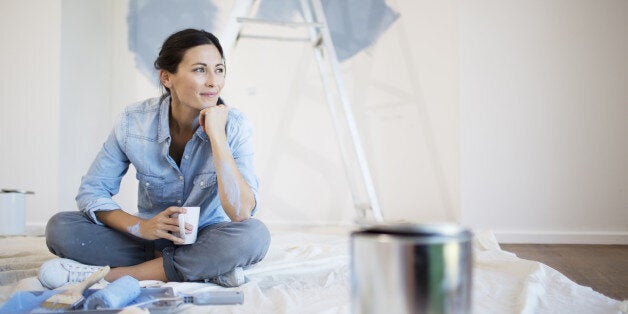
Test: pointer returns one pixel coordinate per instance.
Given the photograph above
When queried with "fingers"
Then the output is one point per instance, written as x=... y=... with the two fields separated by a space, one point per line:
x=215 y=108
x=166 y=229
x=173 y=210
x=171 y=220
x=169 y=225
x=172 y=224
x=214 y=120
x=201 y=120
x=163 y=233
x=188 y=228
x=171 y=237
x=163 y=225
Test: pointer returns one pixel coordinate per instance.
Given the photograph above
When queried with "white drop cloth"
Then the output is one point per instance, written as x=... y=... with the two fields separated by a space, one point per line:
x=307 y=271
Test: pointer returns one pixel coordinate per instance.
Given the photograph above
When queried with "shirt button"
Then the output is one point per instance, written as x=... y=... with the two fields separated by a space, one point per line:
x=147 y=184
x=180 y=178
x=202 y=183
x=187 y=157
x=179 y=202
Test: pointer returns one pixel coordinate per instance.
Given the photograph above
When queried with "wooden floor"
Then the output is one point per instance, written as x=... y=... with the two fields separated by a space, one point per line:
x=604 y=268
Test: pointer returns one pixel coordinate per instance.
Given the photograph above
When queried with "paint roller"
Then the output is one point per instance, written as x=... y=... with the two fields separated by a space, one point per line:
x=115 y=295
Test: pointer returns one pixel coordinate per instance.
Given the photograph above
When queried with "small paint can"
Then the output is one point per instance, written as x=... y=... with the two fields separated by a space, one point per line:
x=13 y=212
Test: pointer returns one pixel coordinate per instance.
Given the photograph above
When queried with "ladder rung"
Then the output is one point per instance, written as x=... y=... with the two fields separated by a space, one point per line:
x=275 y=22
x=301 y=39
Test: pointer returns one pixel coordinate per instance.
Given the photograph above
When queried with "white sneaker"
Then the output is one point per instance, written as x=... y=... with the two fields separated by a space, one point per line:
x=234 y=278
x=62 y=271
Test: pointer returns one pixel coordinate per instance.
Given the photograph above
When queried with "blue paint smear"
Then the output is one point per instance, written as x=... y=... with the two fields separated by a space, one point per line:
x=354 y=24
x=150 y=22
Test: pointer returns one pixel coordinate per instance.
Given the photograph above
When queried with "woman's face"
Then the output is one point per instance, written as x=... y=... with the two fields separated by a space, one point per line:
x=199 y=79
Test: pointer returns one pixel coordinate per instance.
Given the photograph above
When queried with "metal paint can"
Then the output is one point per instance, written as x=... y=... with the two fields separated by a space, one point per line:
x=410 y=268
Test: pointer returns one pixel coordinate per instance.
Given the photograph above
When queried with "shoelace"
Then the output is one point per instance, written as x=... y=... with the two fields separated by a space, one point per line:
x=78 y=273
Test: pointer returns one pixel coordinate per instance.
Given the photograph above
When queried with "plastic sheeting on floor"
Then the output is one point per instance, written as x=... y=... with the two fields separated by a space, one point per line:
x=307 y=271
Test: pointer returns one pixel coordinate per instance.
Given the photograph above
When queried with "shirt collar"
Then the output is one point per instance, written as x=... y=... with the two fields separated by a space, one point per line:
x=164 y=122
x=202 y=135
x=163 y=132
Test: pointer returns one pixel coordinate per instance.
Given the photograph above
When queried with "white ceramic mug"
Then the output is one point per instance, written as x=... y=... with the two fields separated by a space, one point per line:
x=191 y=217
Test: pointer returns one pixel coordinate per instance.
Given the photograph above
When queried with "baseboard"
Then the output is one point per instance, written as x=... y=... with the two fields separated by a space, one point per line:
x=562 y=237
x=35 y=228
x=308 y=225
x=503 y=236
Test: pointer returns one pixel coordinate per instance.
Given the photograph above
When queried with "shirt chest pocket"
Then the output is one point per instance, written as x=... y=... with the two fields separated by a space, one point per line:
x=204 y=181
x=204 y=190
x=150 y=190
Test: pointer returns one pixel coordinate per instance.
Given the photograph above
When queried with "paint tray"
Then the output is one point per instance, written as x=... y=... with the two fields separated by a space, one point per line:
x=29 y=301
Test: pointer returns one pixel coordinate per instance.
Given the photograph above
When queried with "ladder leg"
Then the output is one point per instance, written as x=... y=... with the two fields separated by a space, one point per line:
x=323 y=48
x=231 y=31
x=329 y=97
x=325 y=39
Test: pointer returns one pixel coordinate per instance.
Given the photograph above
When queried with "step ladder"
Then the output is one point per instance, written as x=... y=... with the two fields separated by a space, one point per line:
x=243 y=13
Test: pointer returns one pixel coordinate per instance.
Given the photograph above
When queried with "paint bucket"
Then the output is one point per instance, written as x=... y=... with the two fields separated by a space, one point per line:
x=12 y=211
x=408 y=268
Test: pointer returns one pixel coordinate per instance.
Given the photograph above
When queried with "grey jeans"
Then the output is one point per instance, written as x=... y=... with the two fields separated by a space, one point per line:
x=218 y=249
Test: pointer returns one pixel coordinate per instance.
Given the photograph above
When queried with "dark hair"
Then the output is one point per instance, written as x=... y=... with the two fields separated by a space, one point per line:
x=177 y=44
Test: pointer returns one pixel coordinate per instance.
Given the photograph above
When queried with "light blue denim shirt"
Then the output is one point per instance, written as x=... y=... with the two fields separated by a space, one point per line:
x=142 y=137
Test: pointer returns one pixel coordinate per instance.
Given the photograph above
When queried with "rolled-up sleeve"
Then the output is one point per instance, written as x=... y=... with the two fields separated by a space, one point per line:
x=240 y=134
x=102 y=180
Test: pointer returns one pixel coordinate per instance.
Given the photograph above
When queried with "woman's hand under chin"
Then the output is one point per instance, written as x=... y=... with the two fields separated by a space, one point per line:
x=213 y=120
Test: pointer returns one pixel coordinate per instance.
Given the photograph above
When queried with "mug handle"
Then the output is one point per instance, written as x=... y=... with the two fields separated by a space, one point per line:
x=181 y=218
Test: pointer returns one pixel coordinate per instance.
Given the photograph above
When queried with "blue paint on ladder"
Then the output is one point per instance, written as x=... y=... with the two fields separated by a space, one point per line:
x=354 y=24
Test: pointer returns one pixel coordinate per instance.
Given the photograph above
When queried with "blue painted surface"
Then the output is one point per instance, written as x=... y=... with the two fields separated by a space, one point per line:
x=354 y=24
x=150 y=22
x=357 y=24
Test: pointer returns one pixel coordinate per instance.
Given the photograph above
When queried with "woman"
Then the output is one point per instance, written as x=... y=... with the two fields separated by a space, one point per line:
x=189 y=149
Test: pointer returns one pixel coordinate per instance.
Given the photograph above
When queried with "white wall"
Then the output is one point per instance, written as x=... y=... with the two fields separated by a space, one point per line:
x=97 y=80
x=30 y=33
x=509 y=114
x=85 y=91
x=544 y=108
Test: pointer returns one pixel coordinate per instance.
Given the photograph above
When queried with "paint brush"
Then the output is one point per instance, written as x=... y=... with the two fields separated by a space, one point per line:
x=74 y=295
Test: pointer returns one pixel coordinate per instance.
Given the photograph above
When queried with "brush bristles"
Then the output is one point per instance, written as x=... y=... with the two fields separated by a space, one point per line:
x=59 y=301
x=56 y=306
